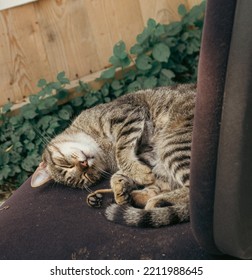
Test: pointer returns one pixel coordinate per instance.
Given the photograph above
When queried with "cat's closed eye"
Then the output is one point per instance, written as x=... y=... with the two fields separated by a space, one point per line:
x=63 y=163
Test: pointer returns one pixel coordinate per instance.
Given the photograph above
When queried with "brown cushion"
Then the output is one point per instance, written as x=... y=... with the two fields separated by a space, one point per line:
x=54 y=222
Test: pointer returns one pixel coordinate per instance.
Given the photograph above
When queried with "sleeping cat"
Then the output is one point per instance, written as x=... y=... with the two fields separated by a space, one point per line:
x=144 y=140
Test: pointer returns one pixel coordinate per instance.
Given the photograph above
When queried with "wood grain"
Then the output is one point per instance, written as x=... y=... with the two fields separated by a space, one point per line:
x=42 y=38
x=22 y=56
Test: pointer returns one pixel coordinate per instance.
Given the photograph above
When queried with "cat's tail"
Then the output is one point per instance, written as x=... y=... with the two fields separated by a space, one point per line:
x=156 y=217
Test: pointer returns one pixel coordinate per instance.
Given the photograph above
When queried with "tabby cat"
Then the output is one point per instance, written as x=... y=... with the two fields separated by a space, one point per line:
x=144 y=140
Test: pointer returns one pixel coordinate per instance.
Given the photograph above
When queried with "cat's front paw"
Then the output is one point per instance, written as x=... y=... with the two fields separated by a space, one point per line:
x=94 y=200
x=142 y=175
x=121 y=186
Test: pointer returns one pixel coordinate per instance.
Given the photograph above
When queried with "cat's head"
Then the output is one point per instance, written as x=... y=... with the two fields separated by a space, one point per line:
x=71 y=159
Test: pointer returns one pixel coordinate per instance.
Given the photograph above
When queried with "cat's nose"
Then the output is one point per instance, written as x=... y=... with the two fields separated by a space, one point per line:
x=83 y=164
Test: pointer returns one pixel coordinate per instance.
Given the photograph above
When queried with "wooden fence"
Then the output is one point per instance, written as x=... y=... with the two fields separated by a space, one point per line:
x=40 y=39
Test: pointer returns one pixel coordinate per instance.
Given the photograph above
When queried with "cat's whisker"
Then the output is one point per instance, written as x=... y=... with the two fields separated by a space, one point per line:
x=44 y=139
x=105 y=173
x=87 y=189
x=88 y=178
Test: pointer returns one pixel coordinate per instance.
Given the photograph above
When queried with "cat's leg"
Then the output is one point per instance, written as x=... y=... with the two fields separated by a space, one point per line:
x=128 y=136
x=94 y=199
x=176 y=197
x=139 y=198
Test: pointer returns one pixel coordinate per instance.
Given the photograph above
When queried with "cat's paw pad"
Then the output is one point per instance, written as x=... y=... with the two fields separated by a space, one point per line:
x=94 y=200
x=121 y=186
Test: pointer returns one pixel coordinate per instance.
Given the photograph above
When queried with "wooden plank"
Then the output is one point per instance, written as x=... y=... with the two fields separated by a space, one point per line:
x=114 y=21
x=41 y=39
x=125 y=21
x=192 y=3
x=67 y=37
x=22 y=56
x=162 y=11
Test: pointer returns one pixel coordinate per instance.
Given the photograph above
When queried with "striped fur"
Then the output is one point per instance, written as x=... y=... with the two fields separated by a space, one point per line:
x=144 y=141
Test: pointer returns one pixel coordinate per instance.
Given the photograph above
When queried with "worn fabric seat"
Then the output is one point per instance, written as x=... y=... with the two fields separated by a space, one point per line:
x=54 y=221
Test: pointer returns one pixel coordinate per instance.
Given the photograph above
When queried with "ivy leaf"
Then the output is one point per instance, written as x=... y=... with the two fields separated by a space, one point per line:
x=167 y=73
x=156 y=68
x=116 y=85
x=30 y=134
x=107 y=99
x=118 y=92
x=76 y=102
x=184 y=37
x=195 y=13
x=91 y=100
x=62 y=94
x=134 y=86
x=44 y=122
x=141 y=38
x=54 y=85
x=41 y=83
x=105 y=89
x=160 y=30
x=166 y=76
x=47 y=103
x=108 y=74
x=143 y=62
x=137 y=49
x=64 y=114
x=151 y=23
x=171 y=42
x=130 y=76
x=117 y=62
x=119 y=50
x=150 y=82
x=4 y=158
x=6 y=108
x=29 y=113
x=16 y=120
x=182 y=10
x=5 y=172
x=29 y=163
x=34 y=99
x=181 y=68
x=161 y=52
x=62 y=78
x=30 y=146
x=83 y=87
x=173 y=28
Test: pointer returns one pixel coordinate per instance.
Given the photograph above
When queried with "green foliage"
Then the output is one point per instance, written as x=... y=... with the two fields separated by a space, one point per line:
x=162 y=55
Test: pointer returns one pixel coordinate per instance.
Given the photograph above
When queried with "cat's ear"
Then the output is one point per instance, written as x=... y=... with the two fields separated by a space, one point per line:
x=40 y=176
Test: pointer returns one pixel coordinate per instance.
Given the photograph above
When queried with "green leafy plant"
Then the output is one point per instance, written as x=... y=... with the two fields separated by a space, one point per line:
x=162 y=55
